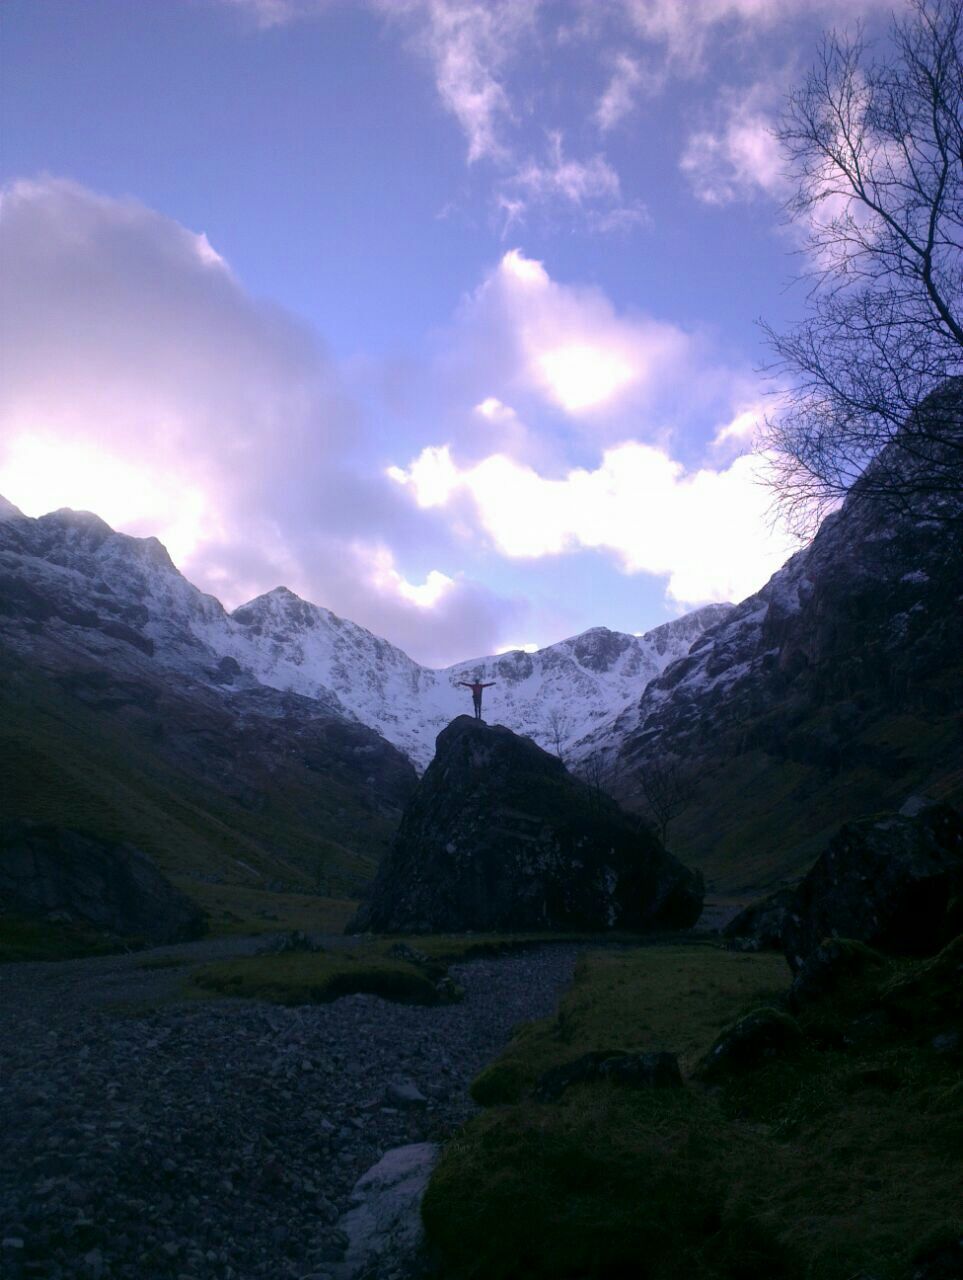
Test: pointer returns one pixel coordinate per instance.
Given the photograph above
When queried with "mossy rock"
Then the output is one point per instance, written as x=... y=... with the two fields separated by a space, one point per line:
x=749 y=1043
x=931 y=997
x=836 y=963
x=501 y=1083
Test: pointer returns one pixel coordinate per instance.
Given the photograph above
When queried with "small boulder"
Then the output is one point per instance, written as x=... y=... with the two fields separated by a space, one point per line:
x=383 y=1227
x=892 y=882
x=630 y=1070
x=114 y=887
x=500 y=836
x=749 y=1043
x=759 y=927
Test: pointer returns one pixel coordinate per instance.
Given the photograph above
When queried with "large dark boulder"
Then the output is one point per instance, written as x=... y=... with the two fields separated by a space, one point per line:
x=500 y=836
x=115 y=887
x=892 y=882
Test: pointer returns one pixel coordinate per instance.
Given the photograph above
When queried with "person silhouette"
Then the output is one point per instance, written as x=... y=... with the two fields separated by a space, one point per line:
x=476 y=687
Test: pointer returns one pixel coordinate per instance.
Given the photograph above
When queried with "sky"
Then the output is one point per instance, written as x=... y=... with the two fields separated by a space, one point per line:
x=442 y=313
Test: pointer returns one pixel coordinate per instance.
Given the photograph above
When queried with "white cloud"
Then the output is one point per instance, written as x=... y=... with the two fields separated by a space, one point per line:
x=740 y=158
x=685 y=29
x=567 y=343
x=142 y=382
x=741 y=429
x=469 y=43
x=620 y=93
x=590 y=186
x=707 y=531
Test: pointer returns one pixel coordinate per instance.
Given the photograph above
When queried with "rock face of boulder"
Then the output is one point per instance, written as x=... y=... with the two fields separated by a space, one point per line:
x=45 y=868
x=500 y=836
x=891 y=882
x=759 y=927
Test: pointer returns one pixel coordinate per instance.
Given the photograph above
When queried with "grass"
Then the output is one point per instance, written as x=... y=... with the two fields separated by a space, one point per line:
x=823 y=1164
x=124 y=770
x=676 y=997
x=316 y=978
x=240 y=909
x=26 y=939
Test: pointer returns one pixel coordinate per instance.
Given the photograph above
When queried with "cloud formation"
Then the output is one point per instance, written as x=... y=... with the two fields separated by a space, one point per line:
x=706 y=530
x=567 y=344
x=142 y=382
x=739 y=158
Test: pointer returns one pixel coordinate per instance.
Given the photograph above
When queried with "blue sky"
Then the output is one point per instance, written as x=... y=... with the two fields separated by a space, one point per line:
x=440 y=312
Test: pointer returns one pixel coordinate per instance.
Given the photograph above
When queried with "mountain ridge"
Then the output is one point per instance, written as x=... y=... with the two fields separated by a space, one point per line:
x=77 y=572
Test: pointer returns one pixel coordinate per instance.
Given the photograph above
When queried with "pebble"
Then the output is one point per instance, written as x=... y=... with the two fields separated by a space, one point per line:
x=221 y=1140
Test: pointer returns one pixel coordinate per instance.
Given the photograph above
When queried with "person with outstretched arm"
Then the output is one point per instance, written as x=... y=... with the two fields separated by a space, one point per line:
x=476 y=687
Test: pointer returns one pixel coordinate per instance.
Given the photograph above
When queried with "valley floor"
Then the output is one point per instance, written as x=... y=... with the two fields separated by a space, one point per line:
x=150 y=1134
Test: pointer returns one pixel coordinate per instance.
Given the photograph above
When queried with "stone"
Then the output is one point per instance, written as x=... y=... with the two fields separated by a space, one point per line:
x=499 y=836
x=893 y=882
x=111 y=886
x=630 y=1070
x=383 y=1228
x=759 y=927
x=749 y=1043
x=405 y=1093
x=838 y=964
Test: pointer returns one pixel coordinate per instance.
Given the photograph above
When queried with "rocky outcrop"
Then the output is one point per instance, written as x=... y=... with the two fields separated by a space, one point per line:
x=114 y=887
x=760 y=926
x=500 y=836
x=893 y=883
x=749 y=1043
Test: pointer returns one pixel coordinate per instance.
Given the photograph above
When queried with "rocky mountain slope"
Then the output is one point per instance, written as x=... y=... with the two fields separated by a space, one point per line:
x=118 y=718
x=829 y=694
x=68 y=574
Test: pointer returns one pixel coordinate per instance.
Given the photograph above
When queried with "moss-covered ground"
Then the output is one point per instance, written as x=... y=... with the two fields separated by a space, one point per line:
x=841 y=1158
x=316 y=977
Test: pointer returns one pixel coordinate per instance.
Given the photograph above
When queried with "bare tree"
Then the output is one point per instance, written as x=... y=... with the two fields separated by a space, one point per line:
x=875 y=150
x=667 y=790
x=557 y=725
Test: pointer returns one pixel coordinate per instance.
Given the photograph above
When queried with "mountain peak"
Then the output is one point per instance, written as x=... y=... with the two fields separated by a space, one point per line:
x=8 y=511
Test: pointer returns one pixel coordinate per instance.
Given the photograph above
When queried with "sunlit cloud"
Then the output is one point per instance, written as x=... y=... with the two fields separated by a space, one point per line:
x=47 y=472
x=573 y=348
x=707 y=531
x=142 y=382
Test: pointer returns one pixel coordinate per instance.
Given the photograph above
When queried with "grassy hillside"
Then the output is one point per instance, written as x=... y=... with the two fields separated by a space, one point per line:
x=184 y=783
x=761 y=814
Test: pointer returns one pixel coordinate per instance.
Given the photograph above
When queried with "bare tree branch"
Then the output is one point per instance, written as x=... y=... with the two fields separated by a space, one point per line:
x=875 y=149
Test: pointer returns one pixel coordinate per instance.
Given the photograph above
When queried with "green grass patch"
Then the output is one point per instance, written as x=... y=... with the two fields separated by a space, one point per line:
x=26 y=939
x=676 y=997
x=316 y=978
x=237 y=909
x=819 y=1164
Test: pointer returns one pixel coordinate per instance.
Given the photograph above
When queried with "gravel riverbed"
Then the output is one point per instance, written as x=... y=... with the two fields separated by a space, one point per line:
x=144 y=1135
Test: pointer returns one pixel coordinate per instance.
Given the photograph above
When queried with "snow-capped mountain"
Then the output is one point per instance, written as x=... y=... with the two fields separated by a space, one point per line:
x=68 y=572
x=556 y=695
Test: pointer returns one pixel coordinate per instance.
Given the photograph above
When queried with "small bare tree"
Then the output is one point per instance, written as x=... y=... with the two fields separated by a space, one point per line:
x=667 y=790
x=874 y=147
x=557 y=725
